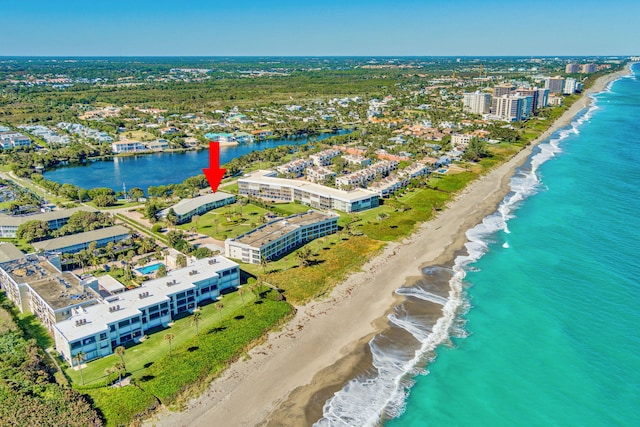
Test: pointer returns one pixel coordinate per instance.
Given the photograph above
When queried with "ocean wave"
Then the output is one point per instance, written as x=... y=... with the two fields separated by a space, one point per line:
x=367 y=400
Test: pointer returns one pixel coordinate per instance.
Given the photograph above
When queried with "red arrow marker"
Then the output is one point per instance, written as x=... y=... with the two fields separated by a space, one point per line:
x=214 y=173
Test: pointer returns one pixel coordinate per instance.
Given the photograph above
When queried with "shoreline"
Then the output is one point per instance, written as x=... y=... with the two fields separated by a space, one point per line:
x=286 y=380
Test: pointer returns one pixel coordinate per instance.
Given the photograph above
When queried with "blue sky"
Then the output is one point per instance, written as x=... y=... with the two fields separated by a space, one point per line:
x=330 y=27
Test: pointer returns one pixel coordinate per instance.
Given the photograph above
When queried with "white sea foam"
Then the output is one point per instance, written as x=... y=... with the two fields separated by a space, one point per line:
x=365 y=401
x=422 y=294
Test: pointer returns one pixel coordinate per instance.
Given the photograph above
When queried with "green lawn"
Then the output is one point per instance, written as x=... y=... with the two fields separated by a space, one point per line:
x=194 y=360
x=287 y=209
x=334 y=258
x=154 y=347
x=226 y=222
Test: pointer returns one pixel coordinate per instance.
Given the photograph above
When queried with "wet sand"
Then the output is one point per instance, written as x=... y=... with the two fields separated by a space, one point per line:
x=286 y=380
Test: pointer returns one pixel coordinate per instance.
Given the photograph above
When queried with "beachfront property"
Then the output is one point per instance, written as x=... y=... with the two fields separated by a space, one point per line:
x=76 y=242
x=54 y=219
x=185 y=209
x=266 y=185
x=281 y=236
x=571 y=86
x=512 y=108
x=125 y=146
x=116 y=319
x=37 y=285
x=554 y=84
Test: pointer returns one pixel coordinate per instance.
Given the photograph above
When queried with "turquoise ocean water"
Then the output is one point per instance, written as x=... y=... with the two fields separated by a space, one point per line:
x=544 y=309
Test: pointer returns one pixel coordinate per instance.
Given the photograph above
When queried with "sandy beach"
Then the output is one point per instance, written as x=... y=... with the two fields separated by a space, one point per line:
x=286 y=380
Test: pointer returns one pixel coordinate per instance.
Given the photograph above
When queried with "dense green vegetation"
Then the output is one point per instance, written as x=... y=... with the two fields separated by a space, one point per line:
x=29 y=394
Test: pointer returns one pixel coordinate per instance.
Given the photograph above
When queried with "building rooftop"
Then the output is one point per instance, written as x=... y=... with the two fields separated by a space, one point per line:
x=76 y=239
x=110 y=284
x=58 y=289
x=9 y=252
x=96 y=318
x=187 y=205
x=268 y=177
x=273 y=230
x=46 y=216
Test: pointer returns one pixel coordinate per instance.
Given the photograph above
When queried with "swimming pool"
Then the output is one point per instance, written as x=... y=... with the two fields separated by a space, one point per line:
x=148 y=269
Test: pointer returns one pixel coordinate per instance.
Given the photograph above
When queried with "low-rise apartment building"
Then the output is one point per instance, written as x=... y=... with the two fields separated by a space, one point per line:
x=76 y=242
x=187 y=208
x=281 y=236
x=36 y=285
x=116 y=319
x=54 y=219
x=266 y=185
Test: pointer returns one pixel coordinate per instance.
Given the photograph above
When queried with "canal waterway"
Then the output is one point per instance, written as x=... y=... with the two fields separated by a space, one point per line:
x=159 y=168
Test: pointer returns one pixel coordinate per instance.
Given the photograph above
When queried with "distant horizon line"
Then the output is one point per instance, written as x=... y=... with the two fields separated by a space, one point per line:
x=317 y=56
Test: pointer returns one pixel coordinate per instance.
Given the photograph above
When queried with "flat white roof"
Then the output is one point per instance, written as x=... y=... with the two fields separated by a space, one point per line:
x=267 y=177
x=110 y=284
x=98 y=316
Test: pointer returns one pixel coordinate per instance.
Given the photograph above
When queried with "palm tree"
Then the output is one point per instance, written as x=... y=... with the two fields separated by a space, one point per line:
x=120 y=352
x=241 y=292
x=304 y=255
x=220 y=306
x=79 y=358
x=119 y=368
x=169 y=338
x=107 y=373
x=197 y=317
x=263 y=262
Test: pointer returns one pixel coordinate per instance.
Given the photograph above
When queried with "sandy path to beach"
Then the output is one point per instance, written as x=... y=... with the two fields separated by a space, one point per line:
x=332 y=332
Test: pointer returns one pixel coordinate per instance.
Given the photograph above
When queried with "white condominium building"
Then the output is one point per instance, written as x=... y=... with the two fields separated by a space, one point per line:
x=266 y=185
x=115 y=319
x=36 y=285
x=511 y=107
x=277 y=238
x=476 y=102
